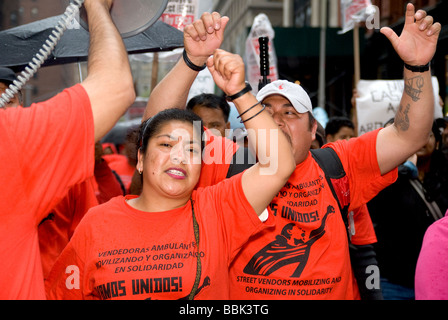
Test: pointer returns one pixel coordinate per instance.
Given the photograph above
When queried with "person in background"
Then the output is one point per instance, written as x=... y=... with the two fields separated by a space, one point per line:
x=402 y=213
x=213 y=110
x=339 y=128
x=56 y=229
x=7 y=77
x=431 y=273
x=49 y=147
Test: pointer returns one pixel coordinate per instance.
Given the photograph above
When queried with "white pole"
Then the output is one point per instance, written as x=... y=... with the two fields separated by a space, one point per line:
x=287 y=13
x=323 y=51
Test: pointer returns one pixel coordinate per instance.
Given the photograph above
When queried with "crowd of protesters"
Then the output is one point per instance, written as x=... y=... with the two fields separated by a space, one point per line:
x=299 y=211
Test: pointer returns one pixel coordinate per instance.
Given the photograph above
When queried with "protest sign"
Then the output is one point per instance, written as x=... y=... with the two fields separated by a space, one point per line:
x=379 y=101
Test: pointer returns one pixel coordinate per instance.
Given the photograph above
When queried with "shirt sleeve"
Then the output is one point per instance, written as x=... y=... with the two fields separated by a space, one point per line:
x=67 y=279
x=218 y=156
x=359 y=158
x=237 y=218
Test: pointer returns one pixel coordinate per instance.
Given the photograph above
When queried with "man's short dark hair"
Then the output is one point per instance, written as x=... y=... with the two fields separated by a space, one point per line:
x=335 y=124
x=211 y=101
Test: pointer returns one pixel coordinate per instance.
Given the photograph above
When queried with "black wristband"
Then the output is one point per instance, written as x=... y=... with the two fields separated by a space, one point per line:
x=190 y=64
x=239 y=94
x=420 y=69
x=262 y=109
x=248 y=109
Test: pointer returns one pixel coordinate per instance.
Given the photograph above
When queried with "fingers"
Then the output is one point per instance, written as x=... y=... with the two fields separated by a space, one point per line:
x=209 y=23
x=391 y=35
x=410 y=14
x=226 y=63
x=212 y=22
x=434 y=30
x=422 y=20
x=227 y=70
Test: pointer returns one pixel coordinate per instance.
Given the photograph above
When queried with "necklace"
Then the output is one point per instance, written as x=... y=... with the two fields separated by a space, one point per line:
x=198 y=265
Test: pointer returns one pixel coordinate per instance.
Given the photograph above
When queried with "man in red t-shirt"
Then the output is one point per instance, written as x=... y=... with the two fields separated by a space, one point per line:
x=306 y=255
x=37 y=166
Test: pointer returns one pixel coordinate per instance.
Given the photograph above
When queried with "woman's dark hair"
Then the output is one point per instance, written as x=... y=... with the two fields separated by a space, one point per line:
x=152 y=126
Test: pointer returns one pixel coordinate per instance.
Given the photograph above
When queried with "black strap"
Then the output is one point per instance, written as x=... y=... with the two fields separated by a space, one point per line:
x=420 y=69
x=360 y=256
x=242 y=160
x=330 y=163
x=190 y=64
x=198 y=258
x=246 y=89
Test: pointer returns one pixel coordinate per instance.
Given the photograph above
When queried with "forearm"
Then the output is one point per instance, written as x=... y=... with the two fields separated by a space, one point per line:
x=172 y=91
x=413 y=121
x=265 y=137
x=412 y=125
x=109 y=83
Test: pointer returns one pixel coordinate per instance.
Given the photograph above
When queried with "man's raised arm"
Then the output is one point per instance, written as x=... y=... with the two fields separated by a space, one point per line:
x=109 y=83
x=416 y=46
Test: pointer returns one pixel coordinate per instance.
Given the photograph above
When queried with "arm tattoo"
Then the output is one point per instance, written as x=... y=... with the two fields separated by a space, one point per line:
x=402 y=118
x=413 y=87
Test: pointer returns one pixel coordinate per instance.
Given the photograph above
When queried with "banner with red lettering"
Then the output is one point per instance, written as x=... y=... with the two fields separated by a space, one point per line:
x=353 y=11
x=180 y=13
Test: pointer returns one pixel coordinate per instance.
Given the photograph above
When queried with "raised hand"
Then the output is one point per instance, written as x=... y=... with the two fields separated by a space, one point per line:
x=228 y=71
x=204 y=36
x=417 y=43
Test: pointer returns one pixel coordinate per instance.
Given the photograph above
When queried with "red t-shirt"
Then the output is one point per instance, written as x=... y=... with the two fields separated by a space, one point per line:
x=217 y=157
x=46 y=149
x=306 y=255
x=118 y=252
x=58 y=227
x=361 y=228
x=120 y=164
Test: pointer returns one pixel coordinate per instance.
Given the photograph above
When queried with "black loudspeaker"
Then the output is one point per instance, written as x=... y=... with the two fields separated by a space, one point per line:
x=131 y=16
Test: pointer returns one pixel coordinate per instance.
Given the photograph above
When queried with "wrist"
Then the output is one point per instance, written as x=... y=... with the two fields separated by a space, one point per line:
x=240 y=93
x=417 y=68
x=196 y=64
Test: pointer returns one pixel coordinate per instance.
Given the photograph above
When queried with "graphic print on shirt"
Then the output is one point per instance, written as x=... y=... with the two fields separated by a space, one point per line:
x=130 y=273
x=292 y=246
